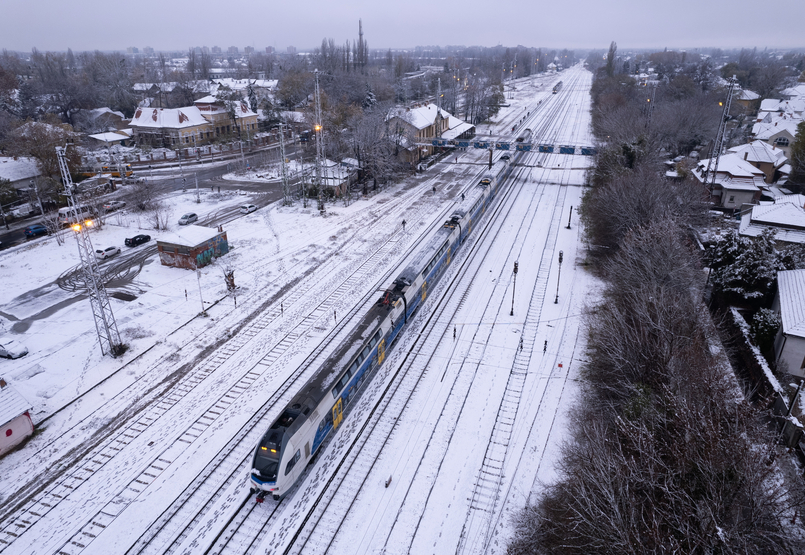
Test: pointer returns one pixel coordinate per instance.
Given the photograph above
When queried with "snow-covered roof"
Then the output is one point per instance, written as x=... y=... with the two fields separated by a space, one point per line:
x=98 y=112
x=213 y=105
x=791 y=291
x=456 y=128
x=420 y=117
x=12 y=404
x=109 y=137
x=764 y=131
x=241 y=84
x=733 y=165
x=760 y=152
x=189 y=235
x=746 y=94
x=174 y=118
x=21 y=168
x=786 y=218
x=795 y=92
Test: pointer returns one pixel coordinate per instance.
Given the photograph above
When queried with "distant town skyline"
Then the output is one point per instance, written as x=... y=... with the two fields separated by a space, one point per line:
x=585 y=24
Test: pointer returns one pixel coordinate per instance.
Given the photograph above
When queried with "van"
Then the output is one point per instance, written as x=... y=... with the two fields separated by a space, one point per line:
x=66 y=214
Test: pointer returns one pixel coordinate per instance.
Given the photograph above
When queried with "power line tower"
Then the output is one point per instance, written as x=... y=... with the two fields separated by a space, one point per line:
x=286 y=185
x=319 y=144
x=718 y=144
x=105 y=324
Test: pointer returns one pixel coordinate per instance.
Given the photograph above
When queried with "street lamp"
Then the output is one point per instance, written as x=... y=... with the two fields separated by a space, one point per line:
x=556 y=300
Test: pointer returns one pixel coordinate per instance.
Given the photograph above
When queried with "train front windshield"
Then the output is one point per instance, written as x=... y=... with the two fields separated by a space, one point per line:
x=267 y=457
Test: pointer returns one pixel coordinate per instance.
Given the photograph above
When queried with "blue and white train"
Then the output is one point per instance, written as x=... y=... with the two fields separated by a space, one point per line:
x=318 y=408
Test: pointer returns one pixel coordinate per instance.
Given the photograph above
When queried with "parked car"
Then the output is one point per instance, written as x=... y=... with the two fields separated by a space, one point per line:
x=36 y=229
x=114 y=205
x=188 y=218
x=137 y=240
x=107 y=252
x=247 y=208
x=11 y=348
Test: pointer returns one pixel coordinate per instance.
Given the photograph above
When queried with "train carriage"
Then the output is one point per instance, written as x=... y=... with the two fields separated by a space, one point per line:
x=296 y=436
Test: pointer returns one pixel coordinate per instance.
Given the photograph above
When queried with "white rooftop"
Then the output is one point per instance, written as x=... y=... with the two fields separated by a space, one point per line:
x=189 y=235
x=420 y=117
x=21 y=168
x=791 y=289
x=761 y=152
x=12 y=404
x=174 y=118
x=786 y=218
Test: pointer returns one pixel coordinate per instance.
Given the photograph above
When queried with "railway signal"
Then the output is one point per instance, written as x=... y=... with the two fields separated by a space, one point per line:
x=556 y=300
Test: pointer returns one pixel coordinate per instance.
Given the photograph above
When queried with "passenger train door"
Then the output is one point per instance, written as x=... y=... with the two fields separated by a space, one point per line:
x=424 y=290
x=381 y=351
x=338 y=413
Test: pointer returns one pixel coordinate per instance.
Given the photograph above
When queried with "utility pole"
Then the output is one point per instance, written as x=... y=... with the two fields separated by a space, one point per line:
x=319 y=144
x=556 y=300
x=286 y=186
x=514 y=286
x=105 y=324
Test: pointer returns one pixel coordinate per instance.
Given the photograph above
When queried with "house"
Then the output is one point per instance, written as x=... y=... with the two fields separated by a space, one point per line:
x=737 y=182
x=422 y=124
x=112 y=138
x=789 y=345
x=794 y=93
x=786 y=216
x=765 y=157
x=748 y=99
x=15 y=420
x=20 y=171
x=192 y=247
x=779 y=133
x=206 y=120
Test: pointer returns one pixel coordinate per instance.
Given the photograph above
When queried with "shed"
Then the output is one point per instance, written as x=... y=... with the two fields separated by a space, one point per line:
x=192 y=247
x=15 y=421
x=789 y=346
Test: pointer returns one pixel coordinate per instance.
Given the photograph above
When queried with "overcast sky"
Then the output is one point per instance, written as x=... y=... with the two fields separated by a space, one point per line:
x=179 y=24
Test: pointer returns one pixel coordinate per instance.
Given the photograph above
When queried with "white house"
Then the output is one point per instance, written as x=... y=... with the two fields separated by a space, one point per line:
x=789 y=346
x=737 y=182
x=785 y=216
x=15 y=420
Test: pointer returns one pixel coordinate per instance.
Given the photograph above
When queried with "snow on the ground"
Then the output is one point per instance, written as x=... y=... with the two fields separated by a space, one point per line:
x=272 y=251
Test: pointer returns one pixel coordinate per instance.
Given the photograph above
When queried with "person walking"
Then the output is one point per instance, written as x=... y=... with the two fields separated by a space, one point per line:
x=403 y=224
x=545 y=347
x=521 y=343
x=454 y=332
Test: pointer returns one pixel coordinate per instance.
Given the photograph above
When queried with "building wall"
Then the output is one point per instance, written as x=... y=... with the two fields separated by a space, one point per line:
x=789 y=351
x=13 y=433
x=191 y=258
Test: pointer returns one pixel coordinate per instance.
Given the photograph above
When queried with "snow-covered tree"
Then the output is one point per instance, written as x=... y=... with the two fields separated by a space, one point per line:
x=745 y=267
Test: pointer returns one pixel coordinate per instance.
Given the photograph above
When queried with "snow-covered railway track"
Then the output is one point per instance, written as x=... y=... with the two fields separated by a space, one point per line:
x=49 y=498
x=345 y=485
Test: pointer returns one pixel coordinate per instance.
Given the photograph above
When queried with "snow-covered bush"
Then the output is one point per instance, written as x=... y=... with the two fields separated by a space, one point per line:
x=765 y=324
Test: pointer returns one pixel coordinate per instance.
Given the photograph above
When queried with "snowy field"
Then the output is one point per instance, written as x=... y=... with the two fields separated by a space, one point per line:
x=149 y=453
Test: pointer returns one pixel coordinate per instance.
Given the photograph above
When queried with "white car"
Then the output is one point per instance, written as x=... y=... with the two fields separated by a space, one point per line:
x=11 y=348
x=247 y=208
x=114 y=205
x=188 y=218
x=107 y=252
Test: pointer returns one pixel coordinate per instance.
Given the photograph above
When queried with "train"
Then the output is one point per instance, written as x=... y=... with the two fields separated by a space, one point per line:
x=557 y=87
x=296 y=436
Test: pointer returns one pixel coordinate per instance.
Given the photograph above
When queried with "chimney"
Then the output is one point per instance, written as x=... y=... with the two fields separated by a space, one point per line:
x=745 y=155
x=3 y=383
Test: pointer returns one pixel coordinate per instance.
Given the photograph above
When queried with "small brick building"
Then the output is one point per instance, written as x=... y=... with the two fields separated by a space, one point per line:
x=15 y=421
x=192 y=247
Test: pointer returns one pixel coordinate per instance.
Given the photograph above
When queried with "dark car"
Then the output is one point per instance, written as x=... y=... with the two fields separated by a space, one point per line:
x=137 y=240
x=36 y=229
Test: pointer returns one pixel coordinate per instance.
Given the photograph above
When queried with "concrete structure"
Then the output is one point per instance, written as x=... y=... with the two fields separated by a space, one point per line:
x=15 y=420
x=192 y=247
x=789 y=346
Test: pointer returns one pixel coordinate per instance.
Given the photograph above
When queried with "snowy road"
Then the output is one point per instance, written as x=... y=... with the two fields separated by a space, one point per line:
x=468 y=427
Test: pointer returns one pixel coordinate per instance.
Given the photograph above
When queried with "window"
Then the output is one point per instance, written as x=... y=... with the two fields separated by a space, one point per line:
x=781 y=141
x=732 y=198
x=293 y=461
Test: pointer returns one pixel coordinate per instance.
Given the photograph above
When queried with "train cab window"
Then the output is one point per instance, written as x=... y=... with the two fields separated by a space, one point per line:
x=286 y=419
x=293 y=461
